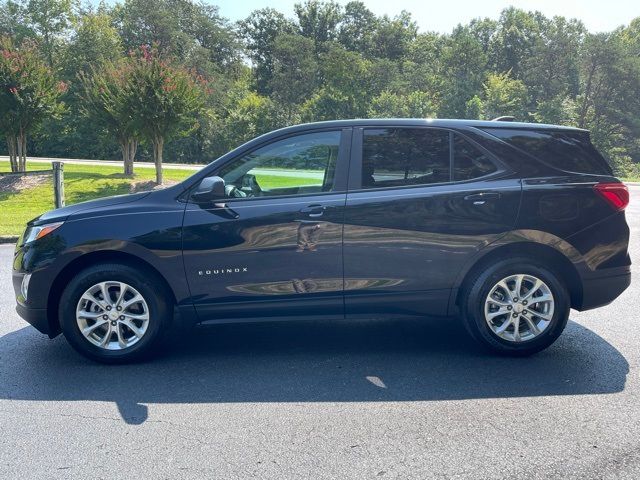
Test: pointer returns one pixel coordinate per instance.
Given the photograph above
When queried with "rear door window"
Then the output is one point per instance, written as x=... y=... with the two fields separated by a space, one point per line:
x=568 y=151
x=394 y=157
x=469 y=161
x=398 y=157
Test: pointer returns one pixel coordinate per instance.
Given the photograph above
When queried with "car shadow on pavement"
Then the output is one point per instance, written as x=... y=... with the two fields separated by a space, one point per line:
x=374 y=361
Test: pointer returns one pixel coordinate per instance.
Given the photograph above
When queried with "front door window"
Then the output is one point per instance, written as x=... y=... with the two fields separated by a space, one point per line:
x=304 y=164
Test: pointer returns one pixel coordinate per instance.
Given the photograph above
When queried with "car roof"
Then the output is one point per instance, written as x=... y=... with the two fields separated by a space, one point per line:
x=432 y=122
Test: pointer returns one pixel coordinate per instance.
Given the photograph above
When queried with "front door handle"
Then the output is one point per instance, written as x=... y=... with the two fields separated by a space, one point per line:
x=314 y=210
x=481 y=198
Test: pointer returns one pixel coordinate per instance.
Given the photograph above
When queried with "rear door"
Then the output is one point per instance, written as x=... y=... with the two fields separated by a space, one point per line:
x=421 y=203
x=273 y=246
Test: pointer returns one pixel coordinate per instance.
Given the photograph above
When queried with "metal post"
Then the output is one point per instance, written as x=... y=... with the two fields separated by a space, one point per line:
x=58 y=184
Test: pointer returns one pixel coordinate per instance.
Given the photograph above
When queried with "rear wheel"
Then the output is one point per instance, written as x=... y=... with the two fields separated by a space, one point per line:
x=516 y=307
x=113 y=313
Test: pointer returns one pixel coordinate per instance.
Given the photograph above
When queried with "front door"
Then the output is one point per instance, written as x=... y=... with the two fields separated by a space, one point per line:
x=272 y=248
x=422 y=202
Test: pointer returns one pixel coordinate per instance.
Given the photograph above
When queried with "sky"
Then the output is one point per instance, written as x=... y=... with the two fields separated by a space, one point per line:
x=443 y=16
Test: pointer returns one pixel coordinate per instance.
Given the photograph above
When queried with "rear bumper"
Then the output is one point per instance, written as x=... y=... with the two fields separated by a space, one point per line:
x=35 y=316
x=604 y=289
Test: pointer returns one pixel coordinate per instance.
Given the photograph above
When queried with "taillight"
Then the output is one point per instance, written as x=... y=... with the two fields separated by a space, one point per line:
x=616 y=194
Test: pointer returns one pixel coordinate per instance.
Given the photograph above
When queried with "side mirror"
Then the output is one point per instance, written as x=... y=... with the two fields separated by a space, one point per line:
x=210 y=189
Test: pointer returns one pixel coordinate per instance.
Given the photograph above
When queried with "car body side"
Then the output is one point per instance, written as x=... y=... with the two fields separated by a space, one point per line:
x=545 y=213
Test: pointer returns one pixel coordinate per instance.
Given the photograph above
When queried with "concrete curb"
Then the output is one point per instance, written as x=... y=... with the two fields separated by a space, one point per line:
x=9 y=239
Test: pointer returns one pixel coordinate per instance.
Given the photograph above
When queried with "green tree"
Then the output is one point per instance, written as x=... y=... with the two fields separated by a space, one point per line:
x=393 y=36
x=514 y=41
x=464 y=66
x=191 y=31
x=294 y=72
x=95 y=41
x=51 y=21
x=473 y=108
x=552 y=68
x=14 y=22
x=106 y=102
x=28 y=94
x=260 y=31
x=393 y=105
x=357 y=27
x=504 y=95
x=318 y=21
x=164 y=101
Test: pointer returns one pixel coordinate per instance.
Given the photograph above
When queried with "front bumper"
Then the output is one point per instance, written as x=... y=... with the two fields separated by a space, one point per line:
x=604 y=289
x=33 y=314
x=36 y=317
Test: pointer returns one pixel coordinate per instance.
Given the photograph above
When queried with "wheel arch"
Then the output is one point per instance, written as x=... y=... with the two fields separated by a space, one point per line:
x=87 y=260
x=539 y=253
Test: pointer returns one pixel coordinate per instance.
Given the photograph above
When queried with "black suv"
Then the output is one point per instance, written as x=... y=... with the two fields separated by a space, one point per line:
x=507 y=225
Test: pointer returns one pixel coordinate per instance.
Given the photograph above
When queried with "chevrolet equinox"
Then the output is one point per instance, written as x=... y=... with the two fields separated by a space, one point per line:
x=505 y=225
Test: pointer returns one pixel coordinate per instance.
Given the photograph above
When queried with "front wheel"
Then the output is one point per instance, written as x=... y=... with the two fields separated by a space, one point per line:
x=113 y=313
x=516 y=307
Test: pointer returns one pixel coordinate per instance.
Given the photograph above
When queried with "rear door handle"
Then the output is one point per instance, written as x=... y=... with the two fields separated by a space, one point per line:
x=481 y=198
x=314 y=210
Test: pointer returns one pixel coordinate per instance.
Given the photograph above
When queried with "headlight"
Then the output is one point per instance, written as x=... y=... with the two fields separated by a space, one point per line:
x=34 y=233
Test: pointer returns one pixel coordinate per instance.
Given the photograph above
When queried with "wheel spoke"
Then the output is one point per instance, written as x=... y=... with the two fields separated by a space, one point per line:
x=136 y=331
x=544 y=316
x=135 y=299
x=518 y=286
x=93 y=299
x=536 y=286
x=505 y=287
x=121 y=341
x=532 y=326
x=107 y=337
x=105 y=293
x=504 y=326
x=516 y=329
x=136 y=316
x=88 y=330
x=546 y=297
x=497 y=313
x=500 y=303
x=123 y=288
x=90 y=315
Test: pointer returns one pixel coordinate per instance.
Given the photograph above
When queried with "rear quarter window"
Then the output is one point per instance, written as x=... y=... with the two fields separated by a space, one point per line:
x=568 y=151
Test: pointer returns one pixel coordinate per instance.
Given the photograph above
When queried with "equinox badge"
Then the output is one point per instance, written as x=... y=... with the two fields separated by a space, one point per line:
x=222 y=271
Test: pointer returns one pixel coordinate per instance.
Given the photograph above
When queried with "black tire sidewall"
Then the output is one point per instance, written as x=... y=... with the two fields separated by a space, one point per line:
x=474 y=300
x=147 y=286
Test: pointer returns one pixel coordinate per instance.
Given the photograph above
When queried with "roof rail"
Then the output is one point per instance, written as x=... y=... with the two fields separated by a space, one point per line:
x=504 y=118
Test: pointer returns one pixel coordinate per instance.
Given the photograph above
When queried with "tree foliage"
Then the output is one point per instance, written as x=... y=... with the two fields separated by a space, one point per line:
x=28 y=94
x=323 y=60
x=163 y=100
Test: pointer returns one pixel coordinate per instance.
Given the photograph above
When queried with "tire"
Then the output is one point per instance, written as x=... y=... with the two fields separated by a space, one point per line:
x=150 y=317
x=483 y=317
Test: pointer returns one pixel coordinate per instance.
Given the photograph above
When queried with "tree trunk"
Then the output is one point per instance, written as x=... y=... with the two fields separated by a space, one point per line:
x=128 y=147
x=21 y=151
x=12 y=147
x=587 y=97
x=124 y=148
x=133 y=147
x=158 y=144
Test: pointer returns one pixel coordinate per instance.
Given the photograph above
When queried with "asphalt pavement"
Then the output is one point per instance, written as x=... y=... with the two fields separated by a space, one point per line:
x=328 y=400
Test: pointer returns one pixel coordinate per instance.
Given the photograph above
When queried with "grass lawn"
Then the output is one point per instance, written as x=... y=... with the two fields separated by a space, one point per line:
x=87 y=182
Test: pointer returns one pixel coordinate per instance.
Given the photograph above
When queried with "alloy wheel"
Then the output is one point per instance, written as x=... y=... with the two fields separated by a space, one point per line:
x=519 y=308
x=112 y=315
